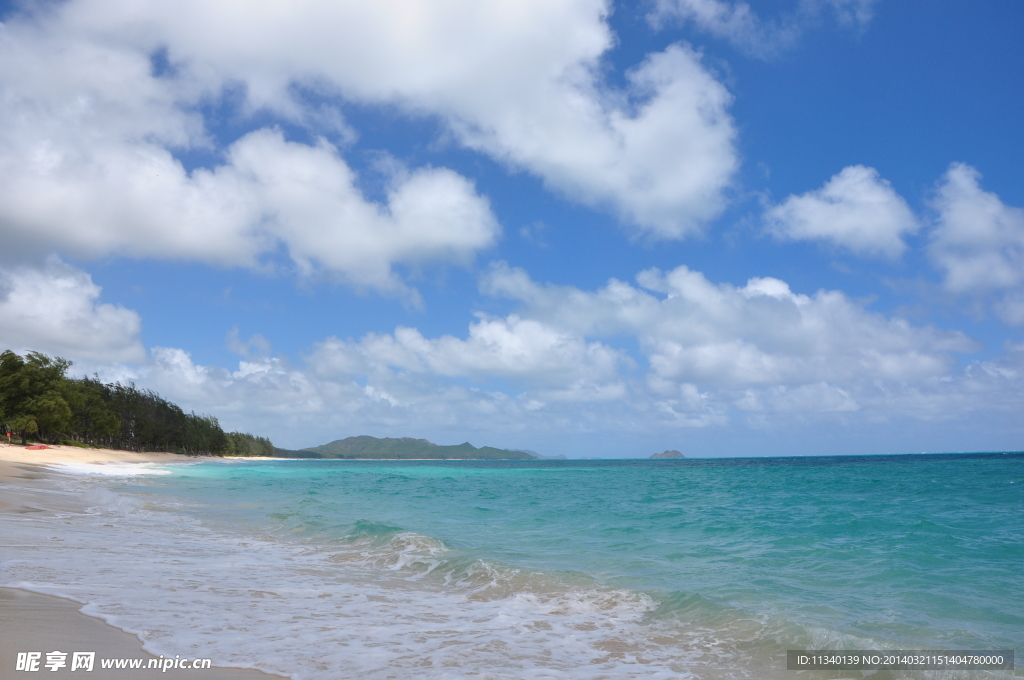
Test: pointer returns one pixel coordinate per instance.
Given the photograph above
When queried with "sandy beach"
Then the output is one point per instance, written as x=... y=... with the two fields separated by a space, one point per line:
x=16 y=460
x=24 y=466
x=30 y=622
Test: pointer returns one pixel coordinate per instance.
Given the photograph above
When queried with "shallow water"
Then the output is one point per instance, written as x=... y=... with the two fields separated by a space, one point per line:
x=551 y=569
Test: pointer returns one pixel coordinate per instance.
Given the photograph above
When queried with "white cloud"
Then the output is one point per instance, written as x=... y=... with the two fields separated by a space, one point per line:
x=978 y=243
x=740 y=25
x=531 y=354
x=856 y=209
x=308 y=200
x=86 y=167
x=735 y=22
x=56 y=310
x=759 y=339
x=658 y=155
x=297 y=407
x=708 y=354
x=88 y=125
x=811 y=398
x=259 y=388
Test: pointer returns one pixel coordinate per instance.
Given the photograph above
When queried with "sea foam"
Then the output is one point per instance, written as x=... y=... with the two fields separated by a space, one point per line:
x=311 y=571
x=112 y=469
x=379 y=605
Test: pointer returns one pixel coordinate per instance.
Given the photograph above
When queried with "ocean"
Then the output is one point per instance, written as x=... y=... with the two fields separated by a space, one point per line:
x=704 y=568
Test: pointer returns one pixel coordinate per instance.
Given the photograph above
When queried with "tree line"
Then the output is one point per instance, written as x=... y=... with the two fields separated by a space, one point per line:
x=39 y=402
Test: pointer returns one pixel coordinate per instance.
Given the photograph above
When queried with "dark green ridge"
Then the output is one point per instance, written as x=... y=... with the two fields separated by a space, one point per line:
x=404 y=448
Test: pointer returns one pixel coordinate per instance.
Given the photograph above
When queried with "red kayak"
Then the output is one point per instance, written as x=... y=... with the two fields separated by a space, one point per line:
x=37 y=447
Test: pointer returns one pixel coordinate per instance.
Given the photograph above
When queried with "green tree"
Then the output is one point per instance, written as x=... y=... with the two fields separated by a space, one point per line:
x=245 y=444
x=23 y=426
x=93 y=421
x=37 y=399
x=30 y=395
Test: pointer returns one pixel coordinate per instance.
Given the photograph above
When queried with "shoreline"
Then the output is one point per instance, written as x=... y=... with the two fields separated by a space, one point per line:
x=23 y=484
x=13 y=454
x=34 y=622
x=56 y=454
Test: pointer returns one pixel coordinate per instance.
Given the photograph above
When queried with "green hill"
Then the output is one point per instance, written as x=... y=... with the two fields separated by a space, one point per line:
x=405 y=448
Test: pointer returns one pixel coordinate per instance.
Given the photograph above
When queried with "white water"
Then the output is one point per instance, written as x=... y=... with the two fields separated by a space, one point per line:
x=271 y=567
x=113 y=469
x=363 y=609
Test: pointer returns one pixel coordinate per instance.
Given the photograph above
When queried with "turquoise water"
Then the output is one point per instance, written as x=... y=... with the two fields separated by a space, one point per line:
x=691 y=568
x=920 y=550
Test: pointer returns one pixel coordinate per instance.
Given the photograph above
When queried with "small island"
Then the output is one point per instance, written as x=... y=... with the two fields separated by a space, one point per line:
x=671 y=453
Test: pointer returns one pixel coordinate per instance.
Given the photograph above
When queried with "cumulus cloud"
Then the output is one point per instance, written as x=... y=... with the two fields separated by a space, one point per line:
x=671 y=351
x=856 y=209
x=91 y=126
x=310 y=405
x=741 y=26
x=978 y=241
x=56 y=310
x=760 y=339
x=517 y=80
x=86 y=167
x=531 y=354
x=659 y=155
x=308 y=200
x=329 y=398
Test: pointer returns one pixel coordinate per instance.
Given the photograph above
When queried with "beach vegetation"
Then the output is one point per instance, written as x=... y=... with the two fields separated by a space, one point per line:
x=31 y=396
x=245 y=444
x=38 y=401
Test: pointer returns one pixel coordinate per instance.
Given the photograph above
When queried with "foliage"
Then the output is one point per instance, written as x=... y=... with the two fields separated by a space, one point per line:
x=244 y=444
x=38 y=400
x=31 y=395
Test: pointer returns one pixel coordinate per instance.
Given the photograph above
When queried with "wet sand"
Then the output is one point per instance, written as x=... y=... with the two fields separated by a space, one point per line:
x=30 y=622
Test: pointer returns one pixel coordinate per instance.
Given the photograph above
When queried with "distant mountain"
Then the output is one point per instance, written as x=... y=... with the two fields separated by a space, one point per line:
x=404 y=448
x=534 y=454
x=671 y=453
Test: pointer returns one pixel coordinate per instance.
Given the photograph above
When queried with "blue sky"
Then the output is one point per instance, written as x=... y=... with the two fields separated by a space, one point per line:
x=789 y=227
